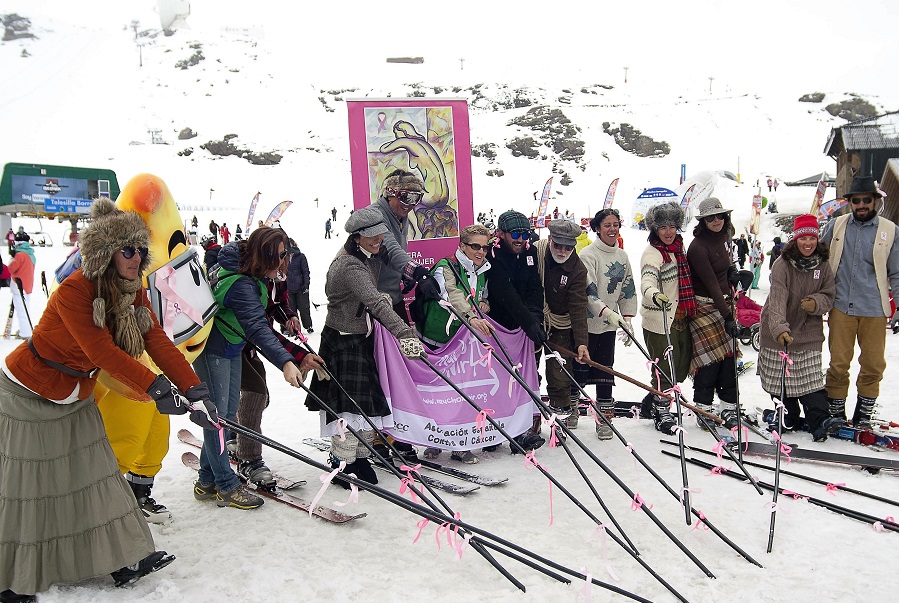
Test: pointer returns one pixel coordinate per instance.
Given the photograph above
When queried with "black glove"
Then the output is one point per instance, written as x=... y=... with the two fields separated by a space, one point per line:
x=426 y=283
x=733 y=277
x=731 y=327
x=203 y=411
x=535 y=333
x=169 y=400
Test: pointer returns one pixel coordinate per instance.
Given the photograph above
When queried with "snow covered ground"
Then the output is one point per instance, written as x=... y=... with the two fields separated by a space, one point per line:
x=279 y=554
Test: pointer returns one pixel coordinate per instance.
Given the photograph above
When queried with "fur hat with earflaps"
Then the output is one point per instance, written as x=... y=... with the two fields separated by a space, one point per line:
x=664 y=214
x=110 y=230
x=401 y=180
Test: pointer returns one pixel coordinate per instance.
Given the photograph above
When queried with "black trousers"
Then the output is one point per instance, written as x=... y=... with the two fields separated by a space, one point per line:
x=720 y=377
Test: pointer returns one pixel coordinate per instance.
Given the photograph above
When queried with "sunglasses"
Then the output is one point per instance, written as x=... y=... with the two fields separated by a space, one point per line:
x=714 y=217
x=520 y=234
x=476 y=246
x=857 y=200
x=129 y=250
x=282 y=255
x=563 y=247
x=406 y=197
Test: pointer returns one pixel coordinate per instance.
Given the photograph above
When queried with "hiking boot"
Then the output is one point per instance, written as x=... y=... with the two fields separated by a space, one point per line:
x=571 y=420
x=152 y=510
x=702 y=421
x=529 y=441
x=604 y=428
x=149 y=564
x=239 y=498
x=864 y=412
x=837 y=407
x=664 y=420
x=257 y=473
x=204 y=491
x=728 y=414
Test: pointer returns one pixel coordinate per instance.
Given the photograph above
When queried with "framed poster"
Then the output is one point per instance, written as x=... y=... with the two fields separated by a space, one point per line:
x=429 y=138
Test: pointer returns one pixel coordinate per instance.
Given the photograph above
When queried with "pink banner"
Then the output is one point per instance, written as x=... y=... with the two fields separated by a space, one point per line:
x=428 y=412
x=429 y=138
x=610 y=194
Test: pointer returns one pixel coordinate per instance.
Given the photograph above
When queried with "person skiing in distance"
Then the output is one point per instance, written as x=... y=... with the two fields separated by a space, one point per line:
x=802 y=291
x=328 y=228
x=865 y=259
x=226 y=234
x=21 y=268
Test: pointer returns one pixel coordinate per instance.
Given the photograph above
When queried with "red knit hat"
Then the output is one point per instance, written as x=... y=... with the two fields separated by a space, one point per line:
x=805 y=225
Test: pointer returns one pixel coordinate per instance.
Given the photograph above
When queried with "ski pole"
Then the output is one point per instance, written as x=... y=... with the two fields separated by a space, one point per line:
x=419 y=510
x=780 y=421
x=736 y=347
x=851 y=513
x=552 y=479
x=801 y=476
x=24 y=302
x=701 y=415
x=548 y=413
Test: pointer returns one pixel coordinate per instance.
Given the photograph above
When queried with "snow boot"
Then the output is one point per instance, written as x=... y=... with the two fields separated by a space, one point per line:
x=573 y=414
x=864 y=412
x=647 y=407
x=257 y=473
x=603 y=429
x=152 y=510
x=664 y=420
x=149 y=564
x=837 y=408
x=529 y=441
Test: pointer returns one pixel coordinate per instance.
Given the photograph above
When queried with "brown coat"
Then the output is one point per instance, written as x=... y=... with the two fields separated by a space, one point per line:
x=67 y=334
x=565 y=292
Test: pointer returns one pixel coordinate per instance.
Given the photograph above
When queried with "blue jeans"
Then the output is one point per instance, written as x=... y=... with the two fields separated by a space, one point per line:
x=222 y=376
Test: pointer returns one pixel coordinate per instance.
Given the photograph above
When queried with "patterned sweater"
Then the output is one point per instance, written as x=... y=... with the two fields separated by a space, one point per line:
x=657 y=276
x=610 y=285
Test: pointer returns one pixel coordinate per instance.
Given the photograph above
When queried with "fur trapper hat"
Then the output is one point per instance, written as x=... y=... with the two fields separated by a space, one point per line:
x=400 y=180
x=110 y=230
x=664 y=214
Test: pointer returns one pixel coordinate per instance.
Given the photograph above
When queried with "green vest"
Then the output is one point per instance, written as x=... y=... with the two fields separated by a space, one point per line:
x=436 y=316
x=225 y=320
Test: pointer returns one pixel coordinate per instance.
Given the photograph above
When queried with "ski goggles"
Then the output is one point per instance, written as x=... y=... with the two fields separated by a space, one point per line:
x=406 y=197
x=128 y=252
x=520 y=234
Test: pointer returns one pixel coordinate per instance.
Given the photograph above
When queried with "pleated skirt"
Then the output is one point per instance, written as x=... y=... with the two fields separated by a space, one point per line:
x=66 y=513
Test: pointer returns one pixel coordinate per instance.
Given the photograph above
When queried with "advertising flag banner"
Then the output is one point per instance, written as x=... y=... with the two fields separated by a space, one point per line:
x=610 y=194
x=543 y=209
x=688 y=196
x=428 y=412
x=819 y=196
x=277 y=212
x=253 y=205
x=827 y=210
x=756 y=214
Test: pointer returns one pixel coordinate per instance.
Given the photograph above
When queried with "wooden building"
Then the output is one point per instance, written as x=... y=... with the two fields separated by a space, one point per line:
x=862 y=148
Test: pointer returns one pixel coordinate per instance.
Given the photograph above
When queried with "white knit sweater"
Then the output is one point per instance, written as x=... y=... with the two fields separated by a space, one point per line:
x=610 y=285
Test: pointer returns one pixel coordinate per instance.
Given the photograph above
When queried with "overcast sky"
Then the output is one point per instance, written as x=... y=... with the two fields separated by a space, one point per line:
x=805 y=45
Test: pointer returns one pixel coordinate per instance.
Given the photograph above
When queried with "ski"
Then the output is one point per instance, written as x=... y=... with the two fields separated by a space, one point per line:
x=465 y=476
x=325 y=446
x=743 y=367
x=8 y=330
x=867 y=437
x=281 y=482
x=192 y=461
x=762 y=449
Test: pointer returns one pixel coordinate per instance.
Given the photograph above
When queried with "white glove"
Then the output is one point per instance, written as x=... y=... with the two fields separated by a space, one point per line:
x=411 y=348
x=322 y=375
x=613 y=317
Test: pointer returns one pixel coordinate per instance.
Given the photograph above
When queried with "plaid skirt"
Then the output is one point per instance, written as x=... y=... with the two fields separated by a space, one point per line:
x=66 y=513
x=805 y=373
x=710 y=343
x=351 y=359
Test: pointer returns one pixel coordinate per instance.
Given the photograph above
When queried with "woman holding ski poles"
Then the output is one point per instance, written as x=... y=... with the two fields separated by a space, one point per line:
x=666 y=283
x=347 y=344
x=802 y=291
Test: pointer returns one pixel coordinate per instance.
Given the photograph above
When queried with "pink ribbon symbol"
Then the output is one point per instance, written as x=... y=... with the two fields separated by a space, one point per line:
x=407 y=482
x=795 y=495
x=530 y=463
x=489 y=356
x=382 y=121
x=452 y=531
x=719 y=450
x=421 y=526
x=450 y=318
x=166 y=282
x=652 y=367
x=638 y=502
x=481 y=420
x=788 y=361
x=601 y=528
x=878 y=525
x=832 y=488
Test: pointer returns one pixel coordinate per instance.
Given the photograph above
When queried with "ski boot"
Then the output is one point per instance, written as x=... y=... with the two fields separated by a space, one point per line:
x=257 y=473
x=828 y=426
x=149 y=564
x=702 y=421
x=863 y=416
x=664 y=420
x=647 y=407
x=728 y=414
x=529 y=441
x=152 y=510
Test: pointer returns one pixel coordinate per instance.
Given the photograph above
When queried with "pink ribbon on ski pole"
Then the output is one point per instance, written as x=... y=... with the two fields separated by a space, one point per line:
x=784 y=448
x=745 y=432
x=638 y=502
x=795 y=495
x=407 y=482
x=326 y=481
x=452 y=531
x=422 y=524
x=601 y=528
x=449 y=319
x=489 y=356
x=719 y=450
x=588 y=583
x=683 y=491
x=787 y=361
x=832 y=488
x=551 y=423
x=480 y=421
x=653 y=367
x=700 y=522
x=719 y=470
x=530 y=463
x=878 y=525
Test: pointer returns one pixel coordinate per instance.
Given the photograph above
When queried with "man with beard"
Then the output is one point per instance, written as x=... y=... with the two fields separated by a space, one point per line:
x=865 y=260
x=516 y=292
x=564 y=280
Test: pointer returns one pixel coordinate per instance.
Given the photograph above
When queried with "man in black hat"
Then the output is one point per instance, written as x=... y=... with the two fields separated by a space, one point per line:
x=516 y=291
x=865 y=259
